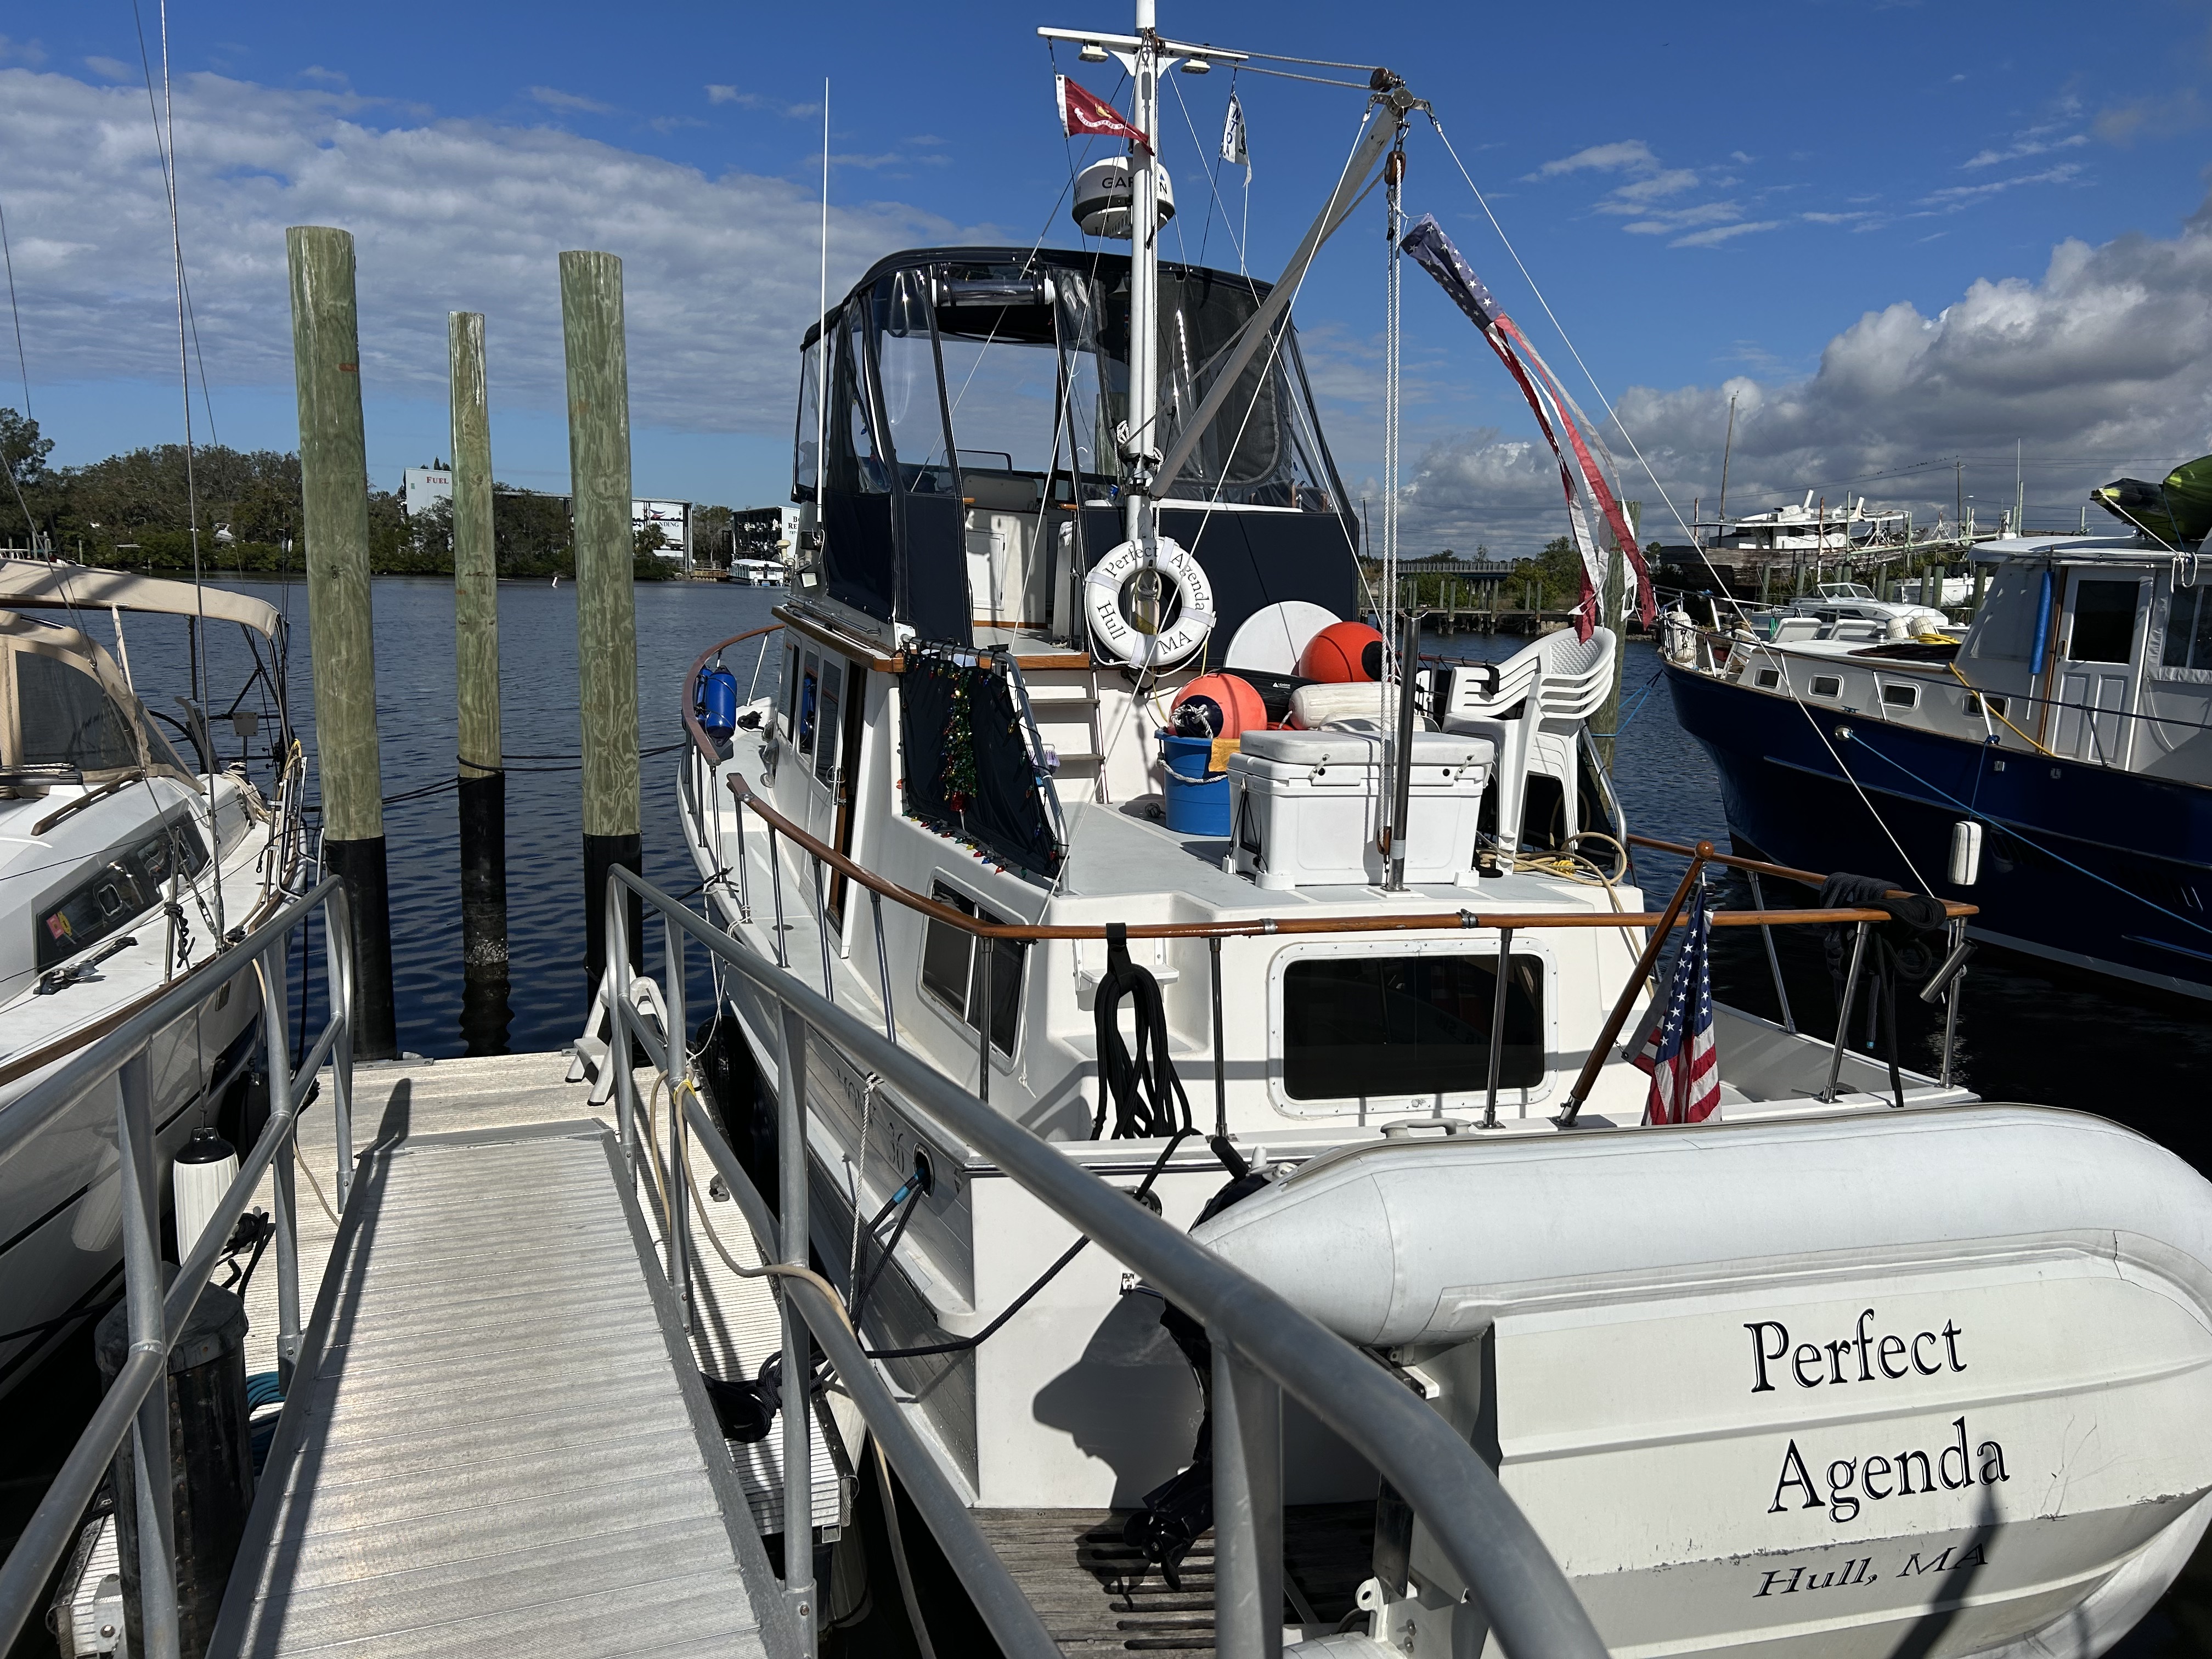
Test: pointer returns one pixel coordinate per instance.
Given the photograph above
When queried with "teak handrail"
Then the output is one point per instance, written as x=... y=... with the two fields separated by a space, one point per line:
x=1416 y=921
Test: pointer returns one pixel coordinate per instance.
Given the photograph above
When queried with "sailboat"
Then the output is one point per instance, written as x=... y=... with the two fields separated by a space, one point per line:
x=1087 y=780
x=129 y=861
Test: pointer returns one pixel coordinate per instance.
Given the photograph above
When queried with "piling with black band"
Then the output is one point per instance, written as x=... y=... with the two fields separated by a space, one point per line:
x=606 y=619
x=334 y=519
x=482 y=791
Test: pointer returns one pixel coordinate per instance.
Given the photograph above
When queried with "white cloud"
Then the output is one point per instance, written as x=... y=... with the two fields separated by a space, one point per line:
x=1720 y=234
x=2101 y=366
x=554 y=98
x=720 y=273
x=1631 y=154
x=21 y=51
x=2024 y=148
x=729 y=95
x=1959 y=195
x=111 y=69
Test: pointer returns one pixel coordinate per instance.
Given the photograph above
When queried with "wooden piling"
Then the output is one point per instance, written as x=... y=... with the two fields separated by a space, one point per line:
x=483 y=774
x=334 y=492
x=606 y=617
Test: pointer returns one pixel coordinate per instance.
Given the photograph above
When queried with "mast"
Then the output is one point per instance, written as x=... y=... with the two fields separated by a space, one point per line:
x=1140 y=448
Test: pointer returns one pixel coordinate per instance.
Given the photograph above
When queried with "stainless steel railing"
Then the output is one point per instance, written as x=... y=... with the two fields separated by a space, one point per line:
x=1262 y=1345
x=137 y=1402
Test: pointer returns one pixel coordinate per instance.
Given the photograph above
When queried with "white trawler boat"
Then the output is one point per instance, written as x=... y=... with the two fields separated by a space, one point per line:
x=123 y=869
x=1855 y=1366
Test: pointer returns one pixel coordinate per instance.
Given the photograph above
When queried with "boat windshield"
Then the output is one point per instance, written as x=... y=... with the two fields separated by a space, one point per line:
x=1016 y=376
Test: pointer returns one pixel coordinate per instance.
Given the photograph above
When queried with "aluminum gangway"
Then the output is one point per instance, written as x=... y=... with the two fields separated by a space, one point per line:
x=495 y=1431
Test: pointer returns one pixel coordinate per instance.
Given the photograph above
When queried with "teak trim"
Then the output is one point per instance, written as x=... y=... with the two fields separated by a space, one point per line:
x=1417 y=921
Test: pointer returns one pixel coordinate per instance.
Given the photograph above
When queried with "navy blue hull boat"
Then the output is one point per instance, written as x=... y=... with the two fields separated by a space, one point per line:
x=2071 y=725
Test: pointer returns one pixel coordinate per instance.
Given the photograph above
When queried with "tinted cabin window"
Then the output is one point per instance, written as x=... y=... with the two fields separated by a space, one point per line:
x=952 y=970
x=67 y=718
x=809 y=693
x=1366 y=1026
x=126 y=887
x=827 y=723
x=2104 y=621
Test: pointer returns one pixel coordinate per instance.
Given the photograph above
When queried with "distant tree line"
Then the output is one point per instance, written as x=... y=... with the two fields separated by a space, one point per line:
x=133 y=512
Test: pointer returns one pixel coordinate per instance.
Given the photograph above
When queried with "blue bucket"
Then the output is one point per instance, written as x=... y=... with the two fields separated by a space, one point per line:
x=1193 y=757
x=1196 y=806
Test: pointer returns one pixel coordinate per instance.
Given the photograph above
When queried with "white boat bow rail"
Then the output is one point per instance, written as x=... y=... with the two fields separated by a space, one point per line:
x=135 y=1401
x=1262 y=1345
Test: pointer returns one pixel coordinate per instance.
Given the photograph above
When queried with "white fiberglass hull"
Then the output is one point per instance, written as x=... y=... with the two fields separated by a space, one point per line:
x=1930 y=1383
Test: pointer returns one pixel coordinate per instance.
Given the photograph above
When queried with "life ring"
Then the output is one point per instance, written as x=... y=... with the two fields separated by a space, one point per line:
x=1102 y=591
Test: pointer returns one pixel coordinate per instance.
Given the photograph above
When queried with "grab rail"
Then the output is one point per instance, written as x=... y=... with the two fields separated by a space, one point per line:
x=1415 y=921
x=137 y=1402
x=1262 y=1345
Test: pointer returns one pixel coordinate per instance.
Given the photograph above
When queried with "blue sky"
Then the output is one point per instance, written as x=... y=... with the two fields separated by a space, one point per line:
x=1895 y=233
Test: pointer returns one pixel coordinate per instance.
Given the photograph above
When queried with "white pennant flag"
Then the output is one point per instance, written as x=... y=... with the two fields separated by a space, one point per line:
x=1232 y=136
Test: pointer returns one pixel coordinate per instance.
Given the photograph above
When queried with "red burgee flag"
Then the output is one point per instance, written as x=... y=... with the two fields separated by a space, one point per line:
x=1088 y=116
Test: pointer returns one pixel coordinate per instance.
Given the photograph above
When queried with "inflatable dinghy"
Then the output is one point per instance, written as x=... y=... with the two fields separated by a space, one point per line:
x=1928 y=1383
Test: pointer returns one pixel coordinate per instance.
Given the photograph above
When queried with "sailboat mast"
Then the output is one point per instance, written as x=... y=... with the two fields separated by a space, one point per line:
x=1143 y=446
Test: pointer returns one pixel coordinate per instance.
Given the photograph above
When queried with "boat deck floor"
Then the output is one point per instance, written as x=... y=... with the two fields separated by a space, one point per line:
x=496 y=1433
x=1098 y=1595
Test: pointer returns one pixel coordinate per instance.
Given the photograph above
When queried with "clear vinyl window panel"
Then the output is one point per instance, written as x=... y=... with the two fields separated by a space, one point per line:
x=66 y=718
x=952 y=970
x=1359 y=1027
x=2188 y=630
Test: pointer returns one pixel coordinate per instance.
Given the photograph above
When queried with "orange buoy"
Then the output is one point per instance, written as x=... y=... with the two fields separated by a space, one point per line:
x=1219 y=706
x=1343 y=653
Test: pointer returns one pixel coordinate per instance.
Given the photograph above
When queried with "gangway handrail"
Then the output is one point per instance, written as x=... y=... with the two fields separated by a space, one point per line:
x=136 y=1400
x=1262 y=1345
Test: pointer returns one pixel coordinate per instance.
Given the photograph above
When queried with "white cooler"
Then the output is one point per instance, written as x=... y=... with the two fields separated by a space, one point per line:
x=1307 y=809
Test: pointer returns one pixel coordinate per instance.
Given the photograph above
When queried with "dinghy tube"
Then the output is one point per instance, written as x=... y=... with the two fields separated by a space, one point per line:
x=1935 y=1381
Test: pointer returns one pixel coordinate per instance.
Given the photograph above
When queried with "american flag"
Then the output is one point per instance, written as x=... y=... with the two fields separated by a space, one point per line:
x=1685 y=1071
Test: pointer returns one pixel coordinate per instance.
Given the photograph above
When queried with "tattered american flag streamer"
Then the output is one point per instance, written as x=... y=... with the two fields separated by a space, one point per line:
x=1685 y=1069
x=1584 y=478
x=1085 y=115
x=1233 y=149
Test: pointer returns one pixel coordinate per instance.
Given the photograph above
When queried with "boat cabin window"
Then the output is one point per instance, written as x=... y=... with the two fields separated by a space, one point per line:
x=1978 y=700
x=827 y=724
x=952 y=970
x=2188 y=630
x=65 y=717
x=128 y=885
x=1769 y=679
x=791 y=692
x=1827 y=685
x=1901 y=696
x=2104 y=620
x=1362 y=1027
x=809 y=692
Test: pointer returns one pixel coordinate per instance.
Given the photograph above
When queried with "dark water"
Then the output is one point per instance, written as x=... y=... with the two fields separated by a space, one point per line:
x=2026 y=1033
x=541 y=731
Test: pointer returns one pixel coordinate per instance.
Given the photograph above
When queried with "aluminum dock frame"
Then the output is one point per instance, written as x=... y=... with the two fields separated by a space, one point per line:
x=495 y=1432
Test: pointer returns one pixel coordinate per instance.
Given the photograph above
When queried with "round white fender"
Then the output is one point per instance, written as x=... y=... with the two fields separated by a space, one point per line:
x=1123 y=638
